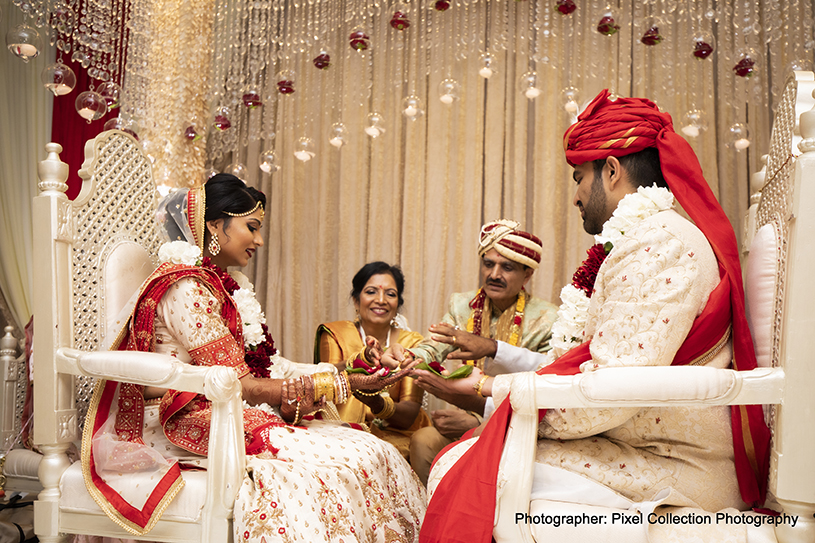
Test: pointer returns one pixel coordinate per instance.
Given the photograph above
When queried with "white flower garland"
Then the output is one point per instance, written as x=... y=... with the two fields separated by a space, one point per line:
x=568 y=330
x=181 y=252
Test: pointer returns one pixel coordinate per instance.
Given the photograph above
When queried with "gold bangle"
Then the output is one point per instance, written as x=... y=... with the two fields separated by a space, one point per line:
x=377 y=393
x=480 y=384
x=323 y=386
x=388 y=410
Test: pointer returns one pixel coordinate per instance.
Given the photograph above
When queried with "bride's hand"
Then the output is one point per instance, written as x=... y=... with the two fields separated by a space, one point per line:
x=299 y=391
x=376 y=382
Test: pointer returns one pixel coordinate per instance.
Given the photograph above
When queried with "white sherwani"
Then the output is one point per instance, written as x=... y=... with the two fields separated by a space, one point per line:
x=648 y=292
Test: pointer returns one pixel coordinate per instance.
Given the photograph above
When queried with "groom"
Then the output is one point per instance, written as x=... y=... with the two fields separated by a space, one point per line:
x=668 y=293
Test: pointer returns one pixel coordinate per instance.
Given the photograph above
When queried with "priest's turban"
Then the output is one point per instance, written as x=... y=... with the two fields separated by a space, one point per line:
x=511 y=243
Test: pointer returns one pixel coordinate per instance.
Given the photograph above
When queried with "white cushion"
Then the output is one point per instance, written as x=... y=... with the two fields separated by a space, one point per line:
x=760 y=288
x=186 y=506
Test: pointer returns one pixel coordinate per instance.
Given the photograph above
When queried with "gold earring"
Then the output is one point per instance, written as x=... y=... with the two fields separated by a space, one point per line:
x=214 y=246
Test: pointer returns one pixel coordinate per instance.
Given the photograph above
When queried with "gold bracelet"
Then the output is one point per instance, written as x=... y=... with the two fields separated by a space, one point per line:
x=480 y=384
x=388 y=410
x=377 y=393
x=323 y=386
x=297 y=414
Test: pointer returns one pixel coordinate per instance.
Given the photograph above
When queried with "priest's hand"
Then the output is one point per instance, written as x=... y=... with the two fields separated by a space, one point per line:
x=452 y=423
x=373 y=352
x=468 y=346
x=396 y=356
x=378 y=380
x=459 y=392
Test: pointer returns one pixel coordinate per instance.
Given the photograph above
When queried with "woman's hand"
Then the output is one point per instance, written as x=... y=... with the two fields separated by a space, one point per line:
x=299 y=391
x=396 y=356
x=373 y=351
x=376 y=381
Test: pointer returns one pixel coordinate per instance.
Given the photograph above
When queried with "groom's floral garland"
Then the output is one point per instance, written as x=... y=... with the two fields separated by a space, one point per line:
x=258 y=343
x=569 y=329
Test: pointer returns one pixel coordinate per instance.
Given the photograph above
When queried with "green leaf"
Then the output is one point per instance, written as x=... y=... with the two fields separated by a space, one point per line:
x=460 y=373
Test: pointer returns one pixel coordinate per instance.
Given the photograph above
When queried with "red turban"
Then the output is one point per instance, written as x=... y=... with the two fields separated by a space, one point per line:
x=627 y=125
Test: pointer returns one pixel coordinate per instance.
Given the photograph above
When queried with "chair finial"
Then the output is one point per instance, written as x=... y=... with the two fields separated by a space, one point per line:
x=52 y=171
x=807 y=126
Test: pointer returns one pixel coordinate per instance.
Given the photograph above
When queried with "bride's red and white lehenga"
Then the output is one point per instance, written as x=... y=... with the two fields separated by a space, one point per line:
x=316 y=481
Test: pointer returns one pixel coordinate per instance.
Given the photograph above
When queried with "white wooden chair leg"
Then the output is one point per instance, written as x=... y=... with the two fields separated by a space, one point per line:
x=46 y=508
x=804 y=529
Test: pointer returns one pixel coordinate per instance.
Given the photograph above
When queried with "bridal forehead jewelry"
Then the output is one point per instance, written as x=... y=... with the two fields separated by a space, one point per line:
x=257 y=205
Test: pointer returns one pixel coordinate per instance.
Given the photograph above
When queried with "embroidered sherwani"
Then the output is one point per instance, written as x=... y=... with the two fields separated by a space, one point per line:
x=648 y=292
x=318 y=481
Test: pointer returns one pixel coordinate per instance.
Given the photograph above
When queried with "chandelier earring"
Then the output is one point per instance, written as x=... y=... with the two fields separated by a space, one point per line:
x=214 y=247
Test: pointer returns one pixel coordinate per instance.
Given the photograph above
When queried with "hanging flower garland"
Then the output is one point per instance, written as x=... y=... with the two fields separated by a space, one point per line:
x=568 y=330
x=258 y=343
x=474 y=323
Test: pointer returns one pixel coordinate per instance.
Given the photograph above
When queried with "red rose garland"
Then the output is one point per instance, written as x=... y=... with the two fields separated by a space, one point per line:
x=586 y=274
x=259 y=360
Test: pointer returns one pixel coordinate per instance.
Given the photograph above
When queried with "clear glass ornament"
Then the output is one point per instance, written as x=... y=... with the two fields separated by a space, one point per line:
x=359 y=40
x=91 y=106
x=449 y=91
x=81 y=58
x=111 y=92
x=268 y=161
x=565 y=7
x=570 y=97
x=800 y=65
x=609 y=21
x=239 y=170
x=488 y=64
x=322 y=57
x=338 y=136
x=747 y=61
x=704 y=43
x=528 y=85
x=738 y=136
x=694 y=123
x=63 y=19
x=412 y=107
x=124 y=124
x=375 y=125
x=210 y=172
x=285 y=81
x=251 y=97
x=221 y=121
x=400 y=20
x=304 y=149
x=24 y=41
x=58 y=78
x=652 y=31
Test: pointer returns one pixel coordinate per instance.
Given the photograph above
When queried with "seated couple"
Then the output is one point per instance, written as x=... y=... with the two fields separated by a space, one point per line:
x=500 y=309
x=656 y=290
x=309 y=478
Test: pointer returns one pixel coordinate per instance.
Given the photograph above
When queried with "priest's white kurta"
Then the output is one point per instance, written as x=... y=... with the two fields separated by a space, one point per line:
x=650 y=288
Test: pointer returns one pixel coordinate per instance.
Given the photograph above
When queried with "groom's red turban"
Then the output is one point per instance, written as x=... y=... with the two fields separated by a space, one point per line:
x=627 y=125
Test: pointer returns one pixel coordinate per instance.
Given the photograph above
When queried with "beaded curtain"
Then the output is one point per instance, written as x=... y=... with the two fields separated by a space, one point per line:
x=210 y=85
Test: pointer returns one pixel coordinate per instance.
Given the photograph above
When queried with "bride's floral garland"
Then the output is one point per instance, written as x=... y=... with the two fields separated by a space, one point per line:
x=568 y=330
x=258 y=343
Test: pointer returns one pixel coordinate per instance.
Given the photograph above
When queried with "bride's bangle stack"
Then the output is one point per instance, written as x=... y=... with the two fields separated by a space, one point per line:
x=334 y=388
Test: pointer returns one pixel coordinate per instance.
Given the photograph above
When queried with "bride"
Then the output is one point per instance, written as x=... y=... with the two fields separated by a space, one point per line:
x=308 y=477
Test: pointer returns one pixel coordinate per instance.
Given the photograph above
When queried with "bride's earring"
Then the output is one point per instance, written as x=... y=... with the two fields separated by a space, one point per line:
x=214 y=246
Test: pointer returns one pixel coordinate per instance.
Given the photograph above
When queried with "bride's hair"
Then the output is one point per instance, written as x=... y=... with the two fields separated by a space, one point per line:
x=227 y=193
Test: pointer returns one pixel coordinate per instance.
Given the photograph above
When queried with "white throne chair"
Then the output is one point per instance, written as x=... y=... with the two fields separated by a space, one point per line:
x=91 y=255
x=782 y=321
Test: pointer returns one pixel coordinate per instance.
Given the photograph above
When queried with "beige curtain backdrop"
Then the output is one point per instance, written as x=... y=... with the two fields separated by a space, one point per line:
x=25 y=128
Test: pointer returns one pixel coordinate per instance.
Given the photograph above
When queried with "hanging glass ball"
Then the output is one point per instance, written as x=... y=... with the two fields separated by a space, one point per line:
x=210 y=172
x=375 y=125
x=528 y=85
x=400 y=20
x=251 y=97
x=488 y=65
x=608 y=23
x=239 y=170
x=412 y=107
x=63 y=18
x=565 y=7
x=322 y=58
x=285 y=81
x=58 y=78
x=441 y=5
x=653 y=31
x=449 y=91
x=268 y=161
x=359 y=39
x=221 y=120
x=191 y=133
x=110 y=91
x=122 y=123
x=739 y=136
x=24 y=41
x=800 y=65
x=91 y=106
x=694 y=123
x=304 y=149
x=570 y=97
x=338 y=136
x=703 y=45
x=746 y=63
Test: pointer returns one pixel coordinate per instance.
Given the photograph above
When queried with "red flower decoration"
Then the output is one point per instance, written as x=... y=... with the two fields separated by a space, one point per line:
x=359 y=40
x=399 y=21
x=221 y=123
x=565 y=7
x=607 y=26
x=745 y=67
x=436 y=366
x=442 y=5
x=652 y=36
x=702 y=49
x=285 y=86
x=586 y=274
x=252 y=100
x=322 y=61
x=518 y=320
x=191 y=134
